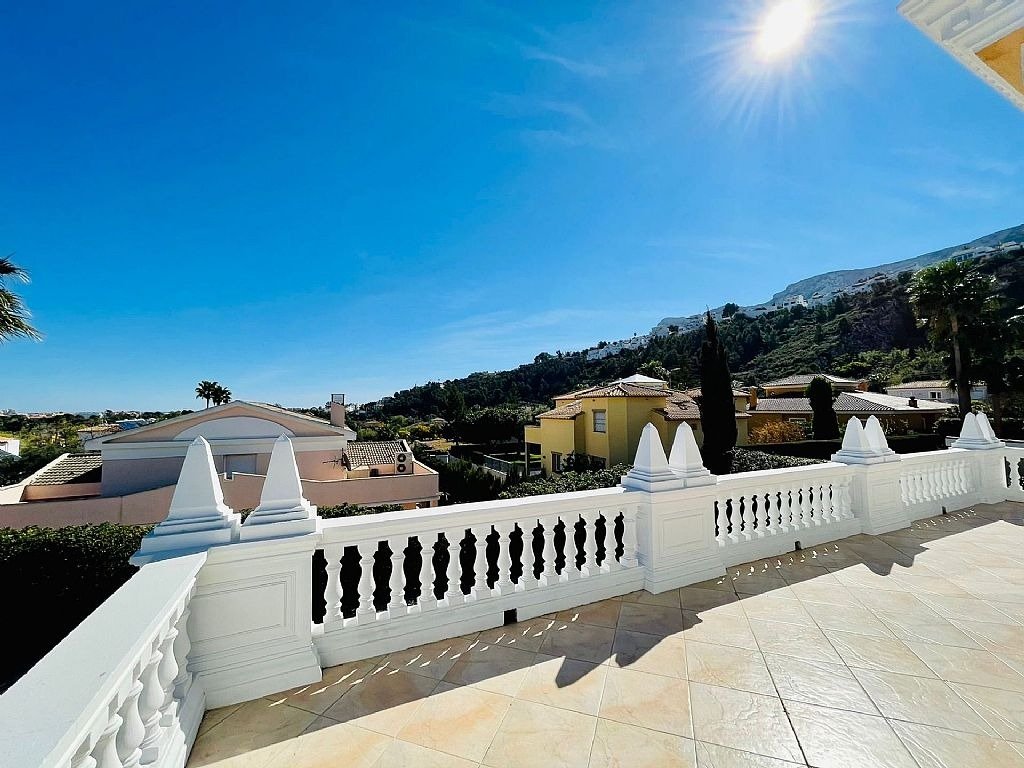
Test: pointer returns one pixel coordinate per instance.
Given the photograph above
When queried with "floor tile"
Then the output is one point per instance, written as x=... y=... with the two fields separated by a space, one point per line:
x=941 y=748
x=565 y=683
x=602 y=614
x=728 y=667
x=722 y=583
x=771 y=608
x=402 y=754
x=696 y=599
x=618 y=745
x=793 y=640
x=920 y=700
x=1000 y=638
x=966 y=665
x=724 y=626
x=848 y=618
x=579 y=641
x=967 y=608
x=537 y=736
x=524 y=635
x=833 y=738
x=745 y=721
x=433 y=660
x=715 y=756
x=251 y=734
x=653 y=619
x=459 y=720
x=916 y=627
x=818 y=682
x=649 y=653
x=324 y=740
x=214 y=716
x=817 y=591
x=384 y=702
x=669 y=599
x=886 y=654
x=1003 y=710
x=650 y=701
x=317 y=697
x=494 y=668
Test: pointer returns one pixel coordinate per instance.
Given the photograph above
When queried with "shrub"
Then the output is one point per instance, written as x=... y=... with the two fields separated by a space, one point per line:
x=59 y=576
x=778 y=432
x=354 y=510
x=745 y=460
x=566 y=482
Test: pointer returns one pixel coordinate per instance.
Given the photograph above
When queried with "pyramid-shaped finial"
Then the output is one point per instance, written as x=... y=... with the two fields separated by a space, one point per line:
x=972 y=434
x=283 y=510
x=877 y=439
x=685 y=460
x=856 y=447
x=198 y=517
x=986 y=429
x=650 y=470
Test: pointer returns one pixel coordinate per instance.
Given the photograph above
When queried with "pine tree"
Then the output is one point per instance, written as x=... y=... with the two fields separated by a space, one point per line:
x=717 y=408
x=826 y=425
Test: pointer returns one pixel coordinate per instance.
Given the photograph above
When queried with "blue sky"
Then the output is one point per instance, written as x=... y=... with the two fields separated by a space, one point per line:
x=361 y=197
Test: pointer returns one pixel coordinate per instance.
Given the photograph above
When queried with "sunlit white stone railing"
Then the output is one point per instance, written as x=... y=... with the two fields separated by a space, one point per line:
x=117 y=692
x=770 y=511
x=1013 y=472
x=936 y=482
x=401 y=578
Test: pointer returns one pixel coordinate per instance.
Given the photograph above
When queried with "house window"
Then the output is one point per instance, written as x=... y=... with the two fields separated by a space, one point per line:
x=934 y=395
x=600 y=421
x=556 y=462
x=597 y=462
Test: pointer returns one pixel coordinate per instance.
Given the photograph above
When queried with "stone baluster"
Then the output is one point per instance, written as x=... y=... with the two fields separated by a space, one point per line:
x=182 y=647
x=729 y=518
x=151 y=704
x=787 y=511
x=529 y=578
x=572 y=571
x=550 y=574
x=591 y=564
x=744 y=516
x=721 y=521
x=769 y=513
x=332 y=593
x=1015 y=475
x=427 y=600
x=168 y=675
x=504 y=584
x=480 y=588
x=453 y=594
x=83 y=758
x=105 y=751
x=132 y=730
x=397 y=606
x=367 y=611
x=629 y=559
x=805 y=506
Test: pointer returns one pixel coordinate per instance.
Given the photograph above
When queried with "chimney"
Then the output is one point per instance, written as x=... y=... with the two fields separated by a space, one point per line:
x=912 y=402
x=752 y=403
x=338 y=410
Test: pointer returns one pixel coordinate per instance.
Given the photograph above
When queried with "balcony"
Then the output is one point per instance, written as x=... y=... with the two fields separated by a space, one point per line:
x=899 y=649
x=867 y=611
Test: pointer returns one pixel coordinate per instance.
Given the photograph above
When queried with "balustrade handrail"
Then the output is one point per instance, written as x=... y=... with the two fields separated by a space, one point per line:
x=925 y=457
x=411 y=522
x=48 y=713
x=777 y=475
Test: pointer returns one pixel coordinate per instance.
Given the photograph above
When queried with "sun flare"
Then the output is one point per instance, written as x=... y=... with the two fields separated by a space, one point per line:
x=784 y=27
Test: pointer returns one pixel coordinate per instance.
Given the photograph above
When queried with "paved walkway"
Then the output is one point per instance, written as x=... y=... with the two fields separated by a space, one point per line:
x=899 y=650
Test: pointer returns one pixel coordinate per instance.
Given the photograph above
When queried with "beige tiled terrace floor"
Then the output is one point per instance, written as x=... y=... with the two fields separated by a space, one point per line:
x=899 y=650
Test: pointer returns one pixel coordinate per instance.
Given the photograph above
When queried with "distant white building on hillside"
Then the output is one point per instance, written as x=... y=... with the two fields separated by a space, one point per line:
x=936 y=390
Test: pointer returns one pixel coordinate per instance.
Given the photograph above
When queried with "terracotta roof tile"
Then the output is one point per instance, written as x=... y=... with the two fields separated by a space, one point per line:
x=73 y=468
x=369 y=454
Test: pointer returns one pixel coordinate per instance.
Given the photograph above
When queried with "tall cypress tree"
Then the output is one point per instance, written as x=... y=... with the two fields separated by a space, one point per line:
x=717 y=408
x=826 y=425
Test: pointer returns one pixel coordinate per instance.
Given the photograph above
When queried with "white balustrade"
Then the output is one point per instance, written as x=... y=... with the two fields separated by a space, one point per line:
x=453 y=594
x=332 y=595
x=933 y=480
x=426 y=599
x=396 y=606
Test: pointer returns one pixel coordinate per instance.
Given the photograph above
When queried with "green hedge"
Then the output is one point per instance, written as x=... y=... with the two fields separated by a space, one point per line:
x=823 y=449
x=57 y=577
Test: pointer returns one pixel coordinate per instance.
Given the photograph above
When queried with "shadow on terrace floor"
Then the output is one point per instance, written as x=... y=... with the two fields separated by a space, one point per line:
x=708 y=675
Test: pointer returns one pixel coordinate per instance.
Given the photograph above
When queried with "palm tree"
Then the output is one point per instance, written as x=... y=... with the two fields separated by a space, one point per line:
x=222 y=395
x=950 y=298
x=13 y=314
x=208 y=390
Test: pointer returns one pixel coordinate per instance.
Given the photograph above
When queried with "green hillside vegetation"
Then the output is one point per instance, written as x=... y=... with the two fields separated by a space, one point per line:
x=873 y=334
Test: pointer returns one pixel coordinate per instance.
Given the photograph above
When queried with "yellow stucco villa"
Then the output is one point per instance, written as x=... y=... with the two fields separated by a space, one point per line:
x=604 y=422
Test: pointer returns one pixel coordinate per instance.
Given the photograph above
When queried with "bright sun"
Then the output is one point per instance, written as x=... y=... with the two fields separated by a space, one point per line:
x=784 y=27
